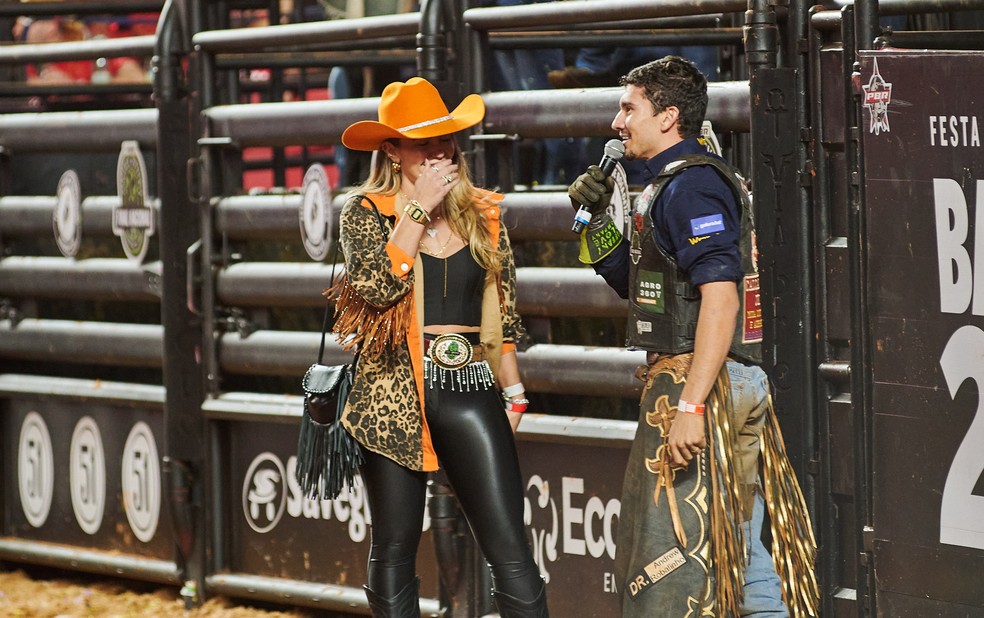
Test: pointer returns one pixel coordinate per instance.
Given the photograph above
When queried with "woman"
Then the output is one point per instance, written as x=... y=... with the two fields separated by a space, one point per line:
x=429 y=297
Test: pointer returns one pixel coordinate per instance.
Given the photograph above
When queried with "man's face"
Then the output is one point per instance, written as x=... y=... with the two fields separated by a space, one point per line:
x=644 y=133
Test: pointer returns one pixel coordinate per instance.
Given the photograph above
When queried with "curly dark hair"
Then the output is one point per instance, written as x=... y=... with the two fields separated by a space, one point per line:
x=673 y=81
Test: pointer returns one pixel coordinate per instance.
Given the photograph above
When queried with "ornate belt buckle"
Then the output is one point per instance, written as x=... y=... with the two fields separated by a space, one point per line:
x=450 y=351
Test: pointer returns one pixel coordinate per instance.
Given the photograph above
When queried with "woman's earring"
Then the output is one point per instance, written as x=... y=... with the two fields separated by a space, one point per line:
x=396 y=166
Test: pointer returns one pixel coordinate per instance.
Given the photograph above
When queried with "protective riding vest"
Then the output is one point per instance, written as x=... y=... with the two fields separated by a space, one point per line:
x=663 y=305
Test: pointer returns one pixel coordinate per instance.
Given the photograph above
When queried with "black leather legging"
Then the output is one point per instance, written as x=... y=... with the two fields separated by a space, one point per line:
x=475 y=445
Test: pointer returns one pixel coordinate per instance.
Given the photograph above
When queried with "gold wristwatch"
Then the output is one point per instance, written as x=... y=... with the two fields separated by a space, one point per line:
x=416 y=212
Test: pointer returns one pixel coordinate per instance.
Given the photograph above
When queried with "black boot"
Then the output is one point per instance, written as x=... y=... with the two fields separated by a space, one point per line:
x=406 y=603
x=511 y=607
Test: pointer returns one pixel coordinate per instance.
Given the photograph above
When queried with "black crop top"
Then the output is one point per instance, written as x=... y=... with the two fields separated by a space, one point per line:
x=460 y=276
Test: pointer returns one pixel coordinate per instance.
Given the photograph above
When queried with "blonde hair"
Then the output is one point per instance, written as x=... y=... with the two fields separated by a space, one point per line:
x=461 y=206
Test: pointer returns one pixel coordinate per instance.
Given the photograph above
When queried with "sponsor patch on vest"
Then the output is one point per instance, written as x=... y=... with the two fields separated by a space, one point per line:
x=655 y=571
x=697 y=239
x=751 y=331
x=649 y=292
x=643 y=327
x=707 y=225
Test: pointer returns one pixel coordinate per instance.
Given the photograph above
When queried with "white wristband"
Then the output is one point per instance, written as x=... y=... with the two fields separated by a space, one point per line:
x=515 y=389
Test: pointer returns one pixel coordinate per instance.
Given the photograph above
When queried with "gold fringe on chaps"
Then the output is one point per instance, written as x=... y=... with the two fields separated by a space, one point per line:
x=794 y=548
x=727 y=531
x=358 y=322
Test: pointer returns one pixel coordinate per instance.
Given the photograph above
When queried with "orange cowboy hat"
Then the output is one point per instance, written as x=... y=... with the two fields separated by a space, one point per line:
x=413 y=110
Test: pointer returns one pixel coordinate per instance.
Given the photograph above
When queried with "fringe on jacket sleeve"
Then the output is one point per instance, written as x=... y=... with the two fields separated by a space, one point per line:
x=360 y=323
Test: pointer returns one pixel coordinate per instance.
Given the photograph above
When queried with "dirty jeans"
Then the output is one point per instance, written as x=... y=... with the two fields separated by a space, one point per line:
x=763 y=590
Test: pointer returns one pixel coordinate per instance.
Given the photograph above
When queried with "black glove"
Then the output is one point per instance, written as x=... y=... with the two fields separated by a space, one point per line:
x=593 y=190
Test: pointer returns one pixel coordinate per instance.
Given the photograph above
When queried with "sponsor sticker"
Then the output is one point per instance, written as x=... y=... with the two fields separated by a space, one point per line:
x=649 y=292
x=655 y=571
x=751 y=331
x=877 y=96
x=707 y=225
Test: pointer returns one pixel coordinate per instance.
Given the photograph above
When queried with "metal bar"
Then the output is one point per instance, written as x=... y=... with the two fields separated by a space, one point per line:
x=31 y=215
x=556 y=429
x=101 y=130
x=35 y=8
x=535 y=113
x=17 y=384
x=308 y=594
x=88 y=561
x=911 y=7
x=541 y=291
x=680 y=21
x=866 y=27
x=825 y=516
x=835 y=371
x=142 y=46
x=569 y=40
x=35 y=89
x=105 y=279
x=556 y=113
x=860 y=386
x=68 y=341
x=548 y=14
x=384 y=56
x=567 y=369
x=530 y=215
x=284 y=124
x=941 y=39
x=826 y=21
x=310 y=33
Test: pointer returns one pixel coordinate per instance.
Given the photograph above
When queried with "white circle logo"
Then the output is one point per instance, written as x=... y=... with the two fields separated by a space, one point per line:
x=141 y=482
x=314 y=213
x=87 y=475
x=67 y=218
x=264 y=492
x=35 y=469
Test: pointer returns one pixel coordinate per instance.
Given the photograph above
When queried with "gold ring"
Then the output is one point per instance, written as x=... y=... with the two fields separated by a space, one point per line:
x=448 y=179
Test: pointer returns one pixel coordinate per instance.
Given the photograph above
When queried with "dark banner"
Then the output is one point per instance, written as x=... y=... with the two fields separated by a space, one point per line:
x=924 y=200
x=85 y=474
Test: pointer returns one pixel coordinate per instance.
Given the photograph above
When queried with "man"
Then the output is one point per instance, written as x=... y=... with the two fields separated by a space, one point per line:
x=689 y=537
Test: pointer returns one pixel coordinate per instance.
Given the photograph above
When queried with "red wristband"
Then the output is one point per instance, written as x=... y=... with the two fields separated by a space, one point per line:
x=517 y=405
x=691 y=408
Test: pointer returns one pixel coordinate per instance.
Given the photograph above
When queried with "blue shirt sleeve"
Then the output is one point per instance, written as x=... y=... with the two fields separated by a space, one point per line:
x=697 y=221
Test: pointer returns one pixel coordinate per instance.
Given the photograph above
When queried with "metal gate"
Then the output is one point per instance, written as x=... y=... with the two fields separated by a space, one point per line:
x=155 y=317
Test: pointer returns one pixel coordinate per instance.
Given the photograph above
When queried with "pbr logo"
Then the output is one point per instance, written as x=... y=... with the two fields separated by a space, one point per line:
x=133 y=219
x=877 y=96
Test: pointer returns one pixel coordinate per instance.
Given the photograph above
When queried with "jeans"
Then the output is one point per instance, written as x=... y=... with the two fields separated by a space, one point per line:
x=763 y=590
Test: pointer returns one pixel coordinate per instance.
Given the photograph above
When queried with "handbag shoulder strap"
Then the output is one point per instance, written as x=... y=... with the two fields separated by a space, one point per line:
x=327 y=322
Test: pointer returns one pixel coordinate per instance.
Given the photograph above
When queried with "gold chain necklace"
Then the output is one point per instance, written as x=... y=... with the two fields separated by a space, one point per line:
x=438 y=255
x=440 y=251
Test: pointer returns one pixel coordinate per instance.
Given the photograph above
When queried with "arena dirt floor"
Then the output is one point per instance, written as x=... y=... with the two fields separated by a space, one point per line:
x=60 y=595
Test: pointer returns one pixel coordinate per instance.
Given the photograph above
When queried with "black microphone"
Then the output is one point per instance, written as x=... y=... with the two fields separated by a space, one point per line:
x=614 y=150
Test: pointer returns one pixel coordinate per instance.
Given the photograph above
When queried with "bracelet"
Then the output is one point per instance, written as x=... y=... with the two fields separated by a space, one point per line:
x=691 y=408
x=513 y=390
x=416 y=212
x=517 y=405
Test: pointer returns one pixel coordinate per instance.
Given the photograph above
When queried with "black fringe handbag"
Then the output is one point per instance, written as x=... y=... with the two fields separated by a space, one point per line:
x=328 y=457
